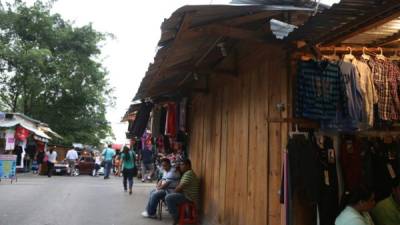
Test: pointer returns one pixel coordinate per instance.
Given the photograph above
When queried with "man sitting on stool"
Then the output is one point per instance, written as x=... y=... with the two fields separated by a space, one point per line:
x=167 y=184
x=187 y=190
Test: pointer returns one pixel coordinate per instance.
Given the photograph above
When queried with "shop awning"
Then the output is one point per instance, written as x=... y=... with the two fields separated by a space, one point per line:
x=49 y=130
x=9 y=123
x=13 y=123
x=34 y=130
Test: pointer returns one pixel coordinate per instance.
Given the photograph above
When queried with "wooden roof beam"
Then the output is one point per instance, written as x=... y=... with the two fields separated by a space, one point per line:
x=388 y=40
x=381 y=15
x=225 y=31
x=186 y=22
x=242 y=19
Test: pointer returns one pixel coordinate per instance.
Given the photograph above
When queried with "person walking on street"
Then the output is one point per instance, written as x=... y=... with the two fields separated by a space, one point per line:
x=51 y=160
x=147 y=158
x=40 y=160
x=72 y=156
x=127 y=167
x=108 y=155
x=97 y=164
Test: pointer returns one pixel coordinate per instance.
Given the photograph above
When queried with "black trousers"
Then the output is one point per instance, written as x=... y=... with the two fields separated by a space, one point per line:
x=50 y=168
x=127 y=178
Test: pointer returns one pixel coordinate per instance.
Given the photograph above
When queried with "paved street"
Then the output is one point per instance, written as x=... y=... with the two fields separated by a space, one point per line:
x=82 y=200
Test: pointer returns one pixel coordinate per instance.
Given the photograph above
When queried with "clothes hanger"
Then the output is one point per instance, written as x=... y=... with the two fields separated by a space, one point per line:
x=395 y=57
x=297 y=132
x=349 y=57
x=380 y=56
x=332 y=57
x=364 y=55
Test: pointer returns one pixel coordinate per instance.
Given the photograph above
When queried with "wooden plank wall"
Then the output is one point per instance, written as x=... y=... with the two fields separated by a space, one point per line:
x=234 y=148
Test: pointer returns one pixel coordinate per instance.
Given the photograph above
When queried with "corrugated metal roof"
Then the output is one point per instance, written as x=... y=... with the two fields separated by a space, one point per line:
x=272 y=2
x=340 y=23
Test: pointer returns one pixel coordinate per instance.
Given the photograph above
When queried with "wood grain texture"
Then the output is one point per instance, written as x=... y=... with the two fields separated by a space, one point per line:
x=234 y=149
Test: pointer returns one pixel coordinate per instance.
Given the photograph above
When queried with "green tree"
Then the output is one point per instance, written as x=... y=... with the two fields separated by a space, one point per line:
x=50 y=70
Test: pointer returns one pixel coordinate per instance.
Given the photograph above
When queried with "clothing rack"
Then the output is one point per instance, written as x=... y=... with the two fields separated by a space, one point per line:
x=378 y=133
x=301 y=122
x=357 y=49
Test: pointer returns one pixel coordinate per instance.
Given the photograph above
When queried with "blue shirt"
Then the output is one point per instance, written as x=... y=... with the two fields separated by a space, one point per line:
x=171 y=177
x=353 y=90
x=108 y=154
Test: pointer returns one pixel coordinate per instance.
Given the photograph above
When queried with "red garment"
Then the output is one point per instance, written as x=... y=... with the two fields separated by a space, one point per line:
x=351 y=161
x=171 y=120
x=21 y=133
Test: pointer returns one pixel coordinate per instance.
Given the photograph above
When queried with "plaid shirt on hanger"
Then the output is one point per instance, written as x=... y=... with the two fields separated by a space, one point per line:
x=394 y=76
x=385 y=75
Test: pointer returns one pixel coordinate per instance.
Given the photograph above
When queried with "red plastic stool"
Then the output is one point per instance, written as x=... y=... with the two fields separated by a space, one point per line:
x=187 y=213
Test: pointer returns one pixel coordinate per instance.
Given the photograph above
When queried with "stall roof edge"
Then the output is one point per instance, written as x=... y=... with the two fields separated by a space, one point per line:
x=349 y=22
x=194 y=23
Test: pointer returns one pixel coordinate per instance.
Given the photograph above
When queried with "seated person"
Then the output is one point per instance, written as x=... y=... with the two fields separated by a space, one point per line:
x=361 y=201
x=387 y=211
x=167 y=184
x=187 y=190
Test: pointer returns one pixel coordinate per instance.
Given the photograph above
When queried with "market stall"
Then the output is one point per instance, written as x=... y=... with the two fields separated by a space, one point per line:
x=23 y=137
x=258 y=106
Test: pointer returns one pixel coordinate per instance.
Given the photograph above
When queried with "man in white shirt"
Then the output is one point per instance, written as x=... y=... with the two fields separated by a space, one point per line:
x=72 y=156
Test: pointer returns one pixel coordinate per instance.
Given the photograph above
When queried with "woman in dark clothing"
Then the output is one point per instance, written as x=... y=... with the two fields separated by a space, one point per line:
x=39 y=159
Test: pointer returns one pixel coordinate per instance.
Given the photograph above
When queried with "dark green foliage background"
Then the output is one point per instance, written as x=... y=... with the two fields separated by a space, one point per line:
x=50 y=70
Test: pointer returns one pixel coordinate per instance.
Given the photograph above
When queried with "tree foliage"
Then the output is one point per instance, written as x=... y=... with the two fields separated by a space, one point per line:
x=50 y=70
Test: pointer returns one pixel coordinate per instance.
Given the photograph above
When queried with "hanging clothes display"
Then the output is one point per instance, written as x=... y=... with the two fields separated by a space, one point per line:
x=350 y=158
x=303 y=176
x=349 y=115
x=328 y=204
x=146 y=141
x=156 y=121
x=163 y=120
x=351 y=105
x=182 y=114
x=171 y=120
x=142 y=119
x=366 y=96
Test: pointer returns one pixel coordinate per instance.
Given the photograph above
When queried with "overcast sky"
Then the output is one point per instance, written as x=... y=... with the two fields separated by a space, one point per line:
x=136 y=26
